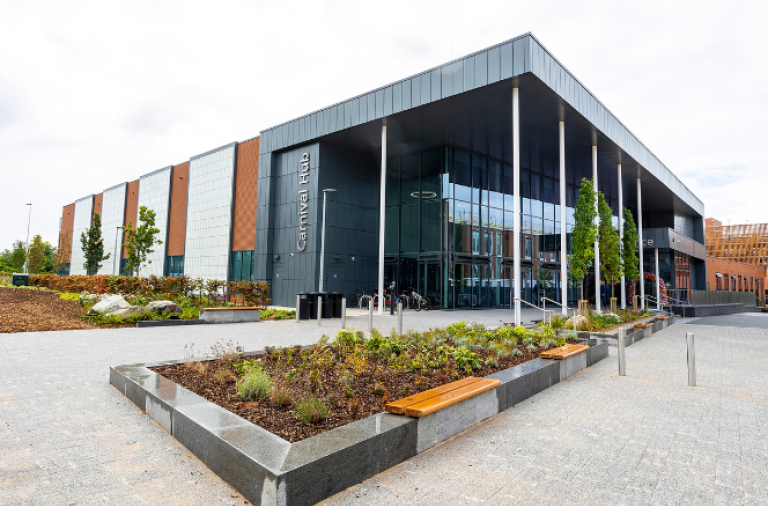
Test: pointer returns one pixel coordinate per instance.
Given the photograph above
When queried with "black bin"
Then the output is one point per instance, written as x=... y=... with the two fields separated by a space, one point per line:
x=313 y=305
x=20 y=279
x=303 y=308
x=327 y=305
x=336 y=297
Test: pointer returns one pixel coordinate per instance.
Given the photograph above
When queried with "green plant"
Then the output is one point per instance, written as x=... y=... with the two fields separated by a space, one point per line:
x=93 y=246
x=517 y=353
x=378 y=389
x=584 y=232
x=610 y=245
x=569 y=335
x=527 y=341
x=311 y=410
x=629 y=256
x=281 y=396
x=256 y=384
x=466 y=359
x=140 y=241
x=532 y=348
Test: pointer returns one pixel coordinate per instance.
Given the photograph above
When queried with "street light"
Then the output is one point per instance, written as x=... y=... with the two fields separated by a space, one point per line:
x=322 y=239
x=29 y=222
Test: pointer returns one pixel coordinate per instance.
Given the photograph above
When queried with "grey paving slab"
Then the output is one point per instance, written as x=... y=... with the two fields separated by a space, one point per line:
x=742 y=320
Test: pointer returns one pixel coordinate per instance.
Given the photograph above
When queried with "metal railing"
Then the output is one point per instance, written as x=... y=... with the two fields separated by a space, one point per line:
x=704 y=297
x=545 y=311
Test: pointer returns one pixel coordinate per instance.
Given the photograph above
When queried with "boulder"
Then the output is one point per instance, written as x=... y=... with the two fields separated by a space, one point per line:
x=125 y=312
x=108 y=305
x=579 y=321
x=164 y=307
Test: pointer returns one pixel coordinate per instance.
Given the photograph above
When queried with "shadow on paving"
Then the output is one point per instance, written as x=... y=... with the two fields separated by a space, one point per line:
x=744 y=320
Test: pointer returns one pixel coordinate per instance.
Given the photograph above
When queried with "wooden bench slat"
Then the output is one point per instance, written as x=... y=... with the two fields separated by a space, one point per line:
x=398 y=407
x=449 y=398
x=562 y=352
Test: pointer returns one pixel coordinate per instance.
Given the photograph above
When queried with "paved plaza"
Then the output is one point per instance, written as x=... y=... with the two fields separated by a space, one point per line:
x=68 y=437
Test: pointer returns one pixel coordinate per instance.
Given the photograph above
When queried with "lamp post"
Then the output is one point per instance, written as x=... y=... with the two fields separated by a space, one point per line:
x=29 y=222
x=322 y=239
x=115 y=261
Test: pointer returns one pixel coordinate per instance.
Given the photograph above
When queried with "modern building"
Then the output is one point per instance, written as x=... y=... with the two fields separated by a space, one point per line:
x=737 y=257
x=454 y=182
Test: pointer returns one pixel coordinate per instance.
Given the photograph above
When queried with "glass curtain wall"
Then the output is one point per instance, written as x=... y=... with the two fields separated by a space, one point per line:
x=449 y=228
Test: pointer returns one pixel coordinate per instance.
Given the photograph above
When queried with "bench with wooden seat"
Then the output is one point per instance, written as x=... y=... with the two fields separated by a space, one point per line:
x=441 y=397
x=642 y=325
x=563 y=352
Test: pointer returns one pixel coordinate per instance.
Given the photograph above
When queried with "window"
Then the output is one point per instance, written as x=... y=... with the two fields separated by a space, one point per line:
x=175 y=266
x=242 y=266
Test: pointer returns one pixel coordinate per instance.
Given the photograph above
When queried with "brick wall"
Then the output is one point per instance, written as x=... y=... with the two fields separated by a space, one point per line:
x=246 y=186
x=729 y=268
x=177 y=221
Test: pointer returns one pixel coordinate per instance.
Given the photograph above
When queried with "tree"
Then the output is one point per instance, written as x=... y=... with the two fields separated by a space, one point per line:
x=61 y=254
x=610 y=245
x=36 y=255
x=93 y=247
x=629 y=256
x=584 y=233
x=139 y=241
x=15 y=257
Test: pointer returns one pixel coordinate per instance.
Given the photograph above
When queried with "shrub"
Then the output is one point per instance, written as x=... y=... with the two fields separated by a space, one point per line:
x=281 y=396
x=532 y=348
x=256 y=384
x=311 y=410
x=517 y=353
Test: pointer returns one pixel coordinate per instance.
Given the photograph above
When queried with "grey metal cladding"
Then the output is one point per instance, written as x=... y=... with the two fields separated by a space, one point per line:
x=553 y=74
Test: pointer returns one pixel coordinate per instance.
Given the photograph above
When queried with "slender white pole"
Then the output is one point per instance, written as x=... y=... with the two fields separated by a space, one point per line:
x=116 y=262
x=658 y=281
x=597 y=242
x=640 y=240
x=516 y=198
x=322 y=246
x=29 y=222
x=382 y=215
x=621 y=238
x=563 y=234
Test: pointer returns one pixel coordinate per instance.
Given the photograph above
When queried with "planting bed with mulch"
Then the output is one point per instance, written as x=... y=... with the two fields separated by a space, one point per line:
x=351 y=377
x=24 y=310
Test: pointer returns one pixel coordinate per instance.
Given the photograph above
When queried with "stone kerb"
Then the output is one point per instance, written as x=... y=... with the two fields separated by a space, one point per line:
x=268 y=470
x=230 y=315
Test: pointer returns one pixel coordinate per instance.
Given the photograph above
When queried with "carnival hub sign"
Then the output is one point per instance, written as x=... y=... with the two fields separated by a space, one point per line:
x=301 y=244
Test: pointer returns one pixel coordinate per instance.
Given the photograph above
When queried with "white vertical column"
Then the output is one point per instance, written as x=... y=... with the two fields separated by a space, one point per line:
x=658 y=281
x=563 y=235
x=640 y=239
x=516 y=198
x=597 y=242
x=621 y=238
x=382 y=215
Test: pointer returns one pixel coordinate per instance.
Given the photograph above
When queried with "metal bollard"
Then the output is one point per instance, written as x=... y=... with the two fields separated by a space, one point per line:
x=691 y=359
x=343 y=313
x=370 y=315
x=298 y=302
x=319 y=310
x=400 y=318
x=622 y=355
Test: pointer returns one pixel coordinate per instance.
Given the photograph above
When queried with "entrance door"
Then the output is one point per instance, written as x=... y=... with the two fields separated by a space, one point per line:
x=430 y=284
x=277 y=287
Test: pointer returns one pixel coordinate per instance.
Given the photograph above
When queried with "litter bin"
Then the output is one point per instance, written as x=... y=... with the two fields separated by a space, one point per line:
x=303 y=308
x=336 y=297
x=313 y=305
x=20 y=279
x=327 y=310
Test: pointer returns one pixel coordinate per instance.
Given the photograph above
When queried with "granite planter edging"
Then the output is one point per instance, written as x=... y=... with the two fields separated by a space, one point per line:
x=631 y=338
x=230 y=315
x=270 y=471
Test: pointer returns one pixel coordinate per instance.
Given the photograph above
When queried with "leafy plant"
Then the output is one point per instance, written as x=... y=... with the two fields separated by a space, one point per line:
x=139 y=241
x=584 y=233
x=311 y=410
x=532 y=348
x=517 y=353
x=629 y=256
x=610 y=246
x=93 y=246
x=466 y=359
x=256 y=384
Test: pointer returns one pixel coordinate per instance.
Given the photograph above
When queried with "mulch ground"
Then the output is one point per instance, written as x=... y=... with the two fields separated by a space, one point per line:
x=346 y=401
x=33 y=311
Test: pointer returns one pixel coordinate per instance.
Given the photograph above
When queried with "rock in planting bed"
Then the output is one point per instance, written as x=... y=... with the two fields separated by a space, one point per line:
x=281 y=459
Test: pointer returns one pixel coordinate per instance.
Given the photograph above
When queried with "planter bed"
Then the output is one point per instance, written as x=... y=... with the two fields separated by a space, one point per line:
x=631 y=337
x=270 y=470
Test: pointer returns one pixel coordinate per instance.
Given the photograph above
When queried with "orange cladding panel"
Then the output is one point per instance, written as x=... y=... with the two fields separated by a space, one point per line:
x=177 y=222
x=67 y=225
x=246 y=186
x=131 y=208
x=97 y=201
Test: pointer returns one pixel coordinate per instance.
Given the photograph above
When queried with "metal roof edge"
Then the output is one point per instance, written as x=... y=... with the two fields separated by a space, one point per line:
x=231 y=144
x=170 y=167
x=114 y=186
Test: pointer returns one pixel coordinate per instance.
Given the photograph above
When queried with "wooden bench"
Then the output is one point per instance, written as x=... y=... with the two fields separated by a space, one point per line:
x=441 y=397
x=562 y=352
x=660 y=318
x=641 y=326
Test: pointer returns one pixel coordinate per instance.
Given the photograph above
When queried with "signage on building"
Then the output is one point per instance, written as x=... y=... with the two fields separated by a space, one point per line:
x=648 y=242
x=301 y=244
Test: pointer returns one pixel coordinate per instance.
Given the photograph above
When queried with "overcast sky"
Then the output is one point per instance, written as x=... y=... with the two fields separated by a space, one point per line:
x=97 y=93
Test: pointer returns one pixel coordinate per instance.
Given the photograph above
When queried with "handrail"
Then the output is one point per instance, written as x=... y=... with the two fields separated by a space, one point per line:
x=653 y=299
x=545 y=311
x=555 y=302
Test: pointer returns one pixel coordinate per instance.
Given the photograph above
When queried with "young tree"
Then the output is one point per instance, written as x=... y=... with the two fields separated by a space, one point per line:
x=584 y=233
x=93 y=247
x=139 y=241
x=610 y=245
x=15 y=257
x=629 y=257
x=36 y=255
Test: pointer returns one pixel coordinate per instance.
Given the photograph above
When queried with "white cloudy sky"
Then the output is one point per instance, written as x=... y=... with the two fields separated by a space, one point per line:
x=93 y=93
